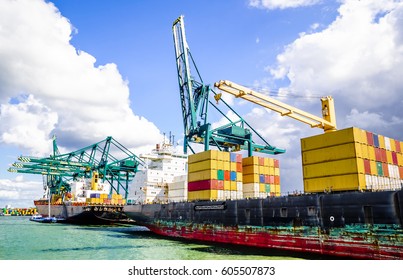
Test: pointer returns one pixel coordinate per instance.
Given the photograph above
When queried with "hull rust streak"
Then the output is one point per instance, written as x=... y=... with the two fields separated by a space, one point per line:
x=354 y=225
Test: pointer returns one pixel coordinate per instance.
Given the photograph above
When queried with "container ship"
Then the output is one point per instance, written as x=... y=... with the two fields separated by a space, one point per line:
x=352 y=205
x=88 y=202
x=86 y=186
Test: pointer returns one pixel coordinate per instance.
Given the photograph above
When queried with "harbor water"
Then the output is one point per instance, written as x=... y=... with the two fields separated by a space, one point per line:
x=22 y=239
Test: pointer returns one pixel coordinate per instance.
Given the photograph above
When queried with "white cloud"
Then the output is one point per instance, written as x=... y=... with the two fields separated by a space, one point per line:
x=357 y=59
x=19 y=192
x=281 y=4
x=25 y=121
x=48 y=87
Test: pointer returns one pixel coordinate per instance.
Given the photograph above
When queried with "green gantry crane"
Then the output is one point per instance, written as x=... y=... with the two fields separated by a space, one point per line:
x=101 y=157
x=195 y=102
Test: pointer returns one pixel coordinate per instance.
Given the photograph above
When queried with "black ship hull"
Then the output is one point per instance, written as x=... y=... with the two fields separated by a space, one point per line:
x=364 y=225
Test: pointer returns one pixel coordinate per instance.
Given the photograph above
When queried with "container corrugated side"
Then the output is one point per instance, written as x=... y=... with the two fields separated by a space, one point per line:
x=202 y=156
x=202 y=165
x=335 y=183
x=334 y=168
x=331 y=153
x=334 y=138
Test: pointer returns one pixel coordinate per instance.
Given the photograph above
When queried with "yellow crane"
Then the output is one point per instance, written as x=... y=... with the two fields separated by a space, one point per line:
x=327 y=122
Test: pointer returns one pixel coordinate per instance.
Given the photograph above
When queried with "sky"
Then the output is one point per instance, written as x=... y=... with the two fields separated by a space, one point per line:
x=85 y=70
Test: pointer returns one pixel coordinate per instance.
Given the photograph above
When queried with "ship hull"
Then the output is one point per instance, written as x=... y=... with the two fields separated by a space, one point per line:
x=350 y=225
x=85 y=214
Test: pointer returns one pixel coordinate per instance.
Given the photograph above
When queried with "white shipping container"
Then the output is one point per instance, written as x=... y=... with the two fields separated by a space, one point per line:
x=239 y=186
x=220 y=195
x=374 y=182
x=387 y=143
x=368 y=182
x=250 y=187
x=250 y=194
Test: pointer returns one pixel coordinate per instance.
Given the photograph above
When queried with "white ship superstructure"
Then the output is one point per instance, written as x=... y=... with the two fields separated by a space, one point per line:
x=164 y=179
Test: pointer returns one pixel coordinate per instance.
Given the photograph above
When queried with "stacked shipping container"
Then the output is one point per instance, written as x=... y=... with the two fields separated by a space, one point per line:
x=351 y=159
x=261 y=177
x=214 y=175
x=105 y=199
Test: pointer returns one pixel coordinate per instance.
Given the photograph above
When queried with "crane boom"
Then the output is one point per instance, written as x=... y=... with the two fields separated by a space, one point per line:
x=327 y=123
x=195 y=100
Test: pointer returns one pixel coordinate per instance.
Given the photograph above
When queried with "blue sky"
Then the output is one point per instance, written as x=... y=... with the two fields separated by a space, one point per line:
x=84 y=70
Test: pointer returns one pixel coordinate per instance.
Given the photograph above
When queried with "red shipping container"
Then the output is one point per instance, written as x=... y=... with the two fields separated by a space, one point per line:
x=394 y=158
x=401 y=172
x=227 y=175
x=370 y=139
x=277 y=180
x=203 y=185
x=378 y=156
x=385 y=169
x=276 y=163
x=267 y=179
x=383 y=155
x=397 y=144
x=239 y=167
x=261 y=161
x=220 y=185
x=367 y=166
x=271 y=179
x=239 y=158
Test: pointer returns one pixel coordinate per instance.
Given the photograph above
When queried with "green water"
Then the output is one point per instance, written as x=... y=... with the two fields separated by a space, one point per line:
x=21 y=239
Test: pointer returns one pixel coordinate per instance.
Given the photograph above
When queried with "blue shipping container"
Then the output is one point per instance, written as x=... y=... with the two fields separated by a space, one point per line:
x=233 y=176
x=376 y=140
x=232 y=157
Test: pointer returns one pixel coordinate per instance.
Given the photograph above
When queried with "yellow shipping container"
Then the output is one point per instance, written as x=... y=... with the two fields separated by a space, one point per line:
x=250 y=169
x=233 y=166
x=239 y=177
x=261 y=169
x=371 y=153
x=203 y=195
x=277 y=171
x=227 y=185
x=347 y=182
x=250 y=178
x=202 y=165
x=227 y=165
x=393 y=145
x=389 y=158
x=233 y=186
x=400 y=159
x=202 y=156
x=202 y=175
x=253 y=160
x=332 y=168
x=381 y=140
x=334 y=138
x=374 y=170
x=226 y=156
x=331 y=153
x=363 y=137
x=262 y=188
x=364 y=151
x=220 y=164
x=276 y=189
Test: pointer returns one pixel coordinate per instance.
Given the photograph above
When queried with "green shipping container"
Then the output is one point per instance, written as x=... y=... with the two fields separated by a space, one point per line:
x=220 y=174
x=379 y=168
